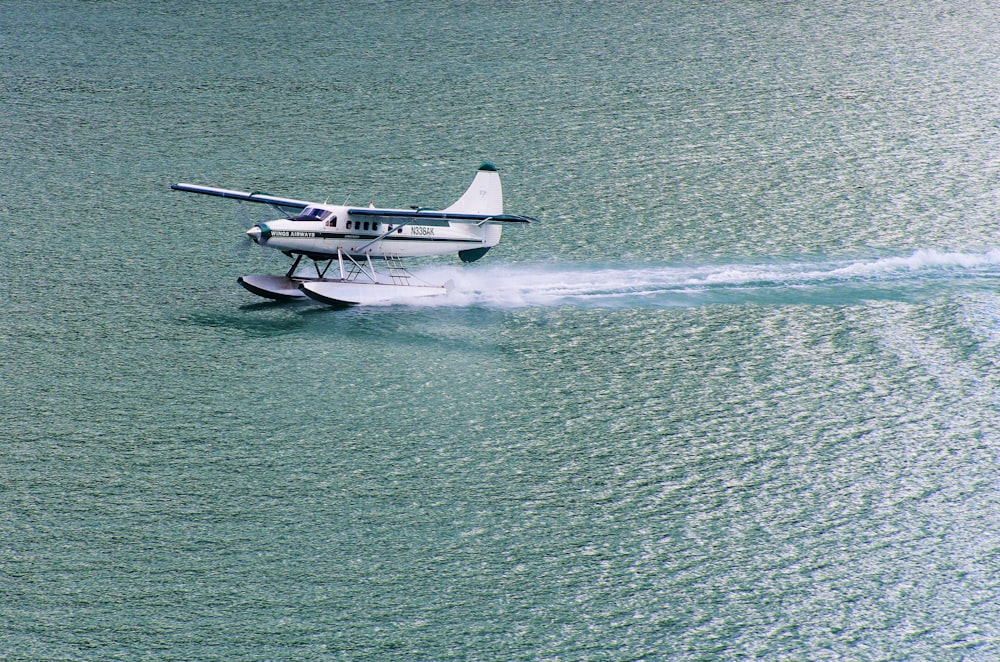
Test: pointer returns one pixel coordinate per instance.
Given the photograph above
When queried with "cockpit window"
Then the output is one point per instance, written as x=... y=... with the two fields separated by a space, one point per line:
x=312 y=214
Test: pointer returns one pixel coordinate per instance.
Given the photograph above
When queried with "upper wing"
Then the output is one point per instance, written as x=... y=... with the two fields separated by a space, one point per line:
x=417 y=215
x=255 y=196
x=412 y=216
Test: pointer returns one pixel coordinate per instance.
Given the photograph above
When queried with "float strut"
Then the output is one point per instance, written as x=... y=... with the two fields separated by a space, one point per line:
x=295 y=265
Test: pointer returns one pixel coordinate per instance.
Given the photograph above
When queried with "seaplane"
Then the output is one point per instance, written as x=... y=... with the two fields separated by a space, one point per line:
x=356 y=238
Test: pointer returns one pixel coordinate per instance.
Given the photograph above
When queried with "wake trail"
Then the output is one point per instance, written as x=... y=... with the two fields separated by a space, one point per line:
x=829 y=282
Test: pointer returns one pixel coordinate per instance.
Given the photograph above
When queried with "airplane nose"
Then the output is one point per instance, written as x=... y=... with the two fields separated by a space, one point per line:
x=254 y=233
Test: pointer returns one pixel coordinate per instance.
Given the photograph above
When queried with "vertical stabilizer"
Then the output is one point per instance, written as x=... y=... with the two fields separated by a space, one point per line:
x=484 y=196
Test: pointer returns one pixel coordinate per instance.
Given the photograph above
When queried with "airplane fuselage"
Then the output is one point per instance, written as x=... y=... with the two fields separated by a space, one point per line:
x=324 y=231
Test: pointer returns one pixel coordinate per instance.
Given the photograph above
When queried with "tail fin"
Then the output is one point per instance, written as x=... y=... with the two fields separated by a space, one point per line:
x=484 y=196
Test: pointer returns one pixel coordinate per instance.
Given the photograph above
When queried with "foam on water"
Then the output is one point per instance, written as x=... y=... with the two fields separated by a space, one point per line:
x=819 y=281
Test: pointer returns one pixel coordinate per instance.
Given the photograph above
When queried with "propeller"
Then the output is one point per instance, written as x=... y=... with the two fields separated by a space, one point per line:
x=244 y=220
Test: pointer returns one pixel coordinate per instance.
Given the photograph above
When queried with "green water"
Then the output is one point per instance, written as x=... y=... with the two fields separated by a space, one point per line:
x=735 y=397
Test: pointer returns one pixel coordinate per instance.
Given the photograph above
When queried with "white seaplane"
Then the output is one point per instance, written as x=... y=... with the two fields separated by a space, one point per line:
x=354 y=238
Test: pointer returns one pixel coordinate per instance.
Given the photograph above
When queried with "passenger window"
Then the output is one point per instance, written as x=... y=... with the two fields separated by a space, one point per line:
x=366 y=225
x=348 y=225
